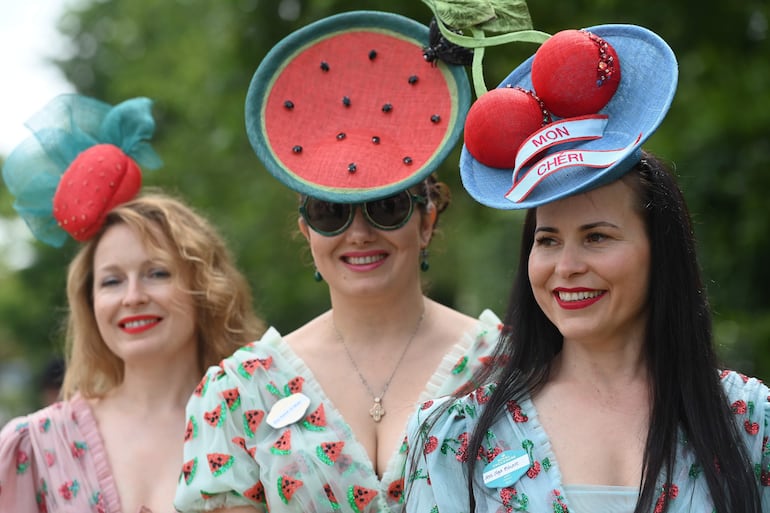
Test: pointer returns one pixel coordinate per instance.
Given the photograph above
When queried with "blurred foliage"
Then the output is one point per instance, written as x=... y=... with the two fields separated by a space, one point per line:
x=195 y=58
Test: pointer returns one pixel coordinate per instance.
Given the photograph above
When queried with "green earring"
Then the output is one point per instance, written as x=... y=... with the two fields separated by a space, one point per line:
x=424 y=265
x=317 y=276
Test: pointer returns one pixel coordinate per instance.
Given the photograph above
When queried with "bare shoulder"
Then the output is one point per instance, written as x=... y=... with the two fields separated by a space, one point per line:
x=447 y=321
x=309 y=331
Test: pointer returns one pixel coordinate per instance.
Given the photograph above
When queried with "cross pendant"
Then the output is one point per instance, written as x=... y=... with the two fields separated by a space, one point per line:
x=377 y=411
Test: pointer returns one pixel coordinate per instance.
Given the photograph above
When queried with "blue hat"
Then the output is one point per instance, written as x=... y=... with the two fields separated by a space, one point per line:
x=584 y=149
x=348 y=109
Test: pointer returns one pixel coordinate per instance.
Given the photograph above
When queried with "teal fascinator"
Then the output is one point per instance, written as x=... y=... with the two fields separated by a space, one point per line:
x=81 y=161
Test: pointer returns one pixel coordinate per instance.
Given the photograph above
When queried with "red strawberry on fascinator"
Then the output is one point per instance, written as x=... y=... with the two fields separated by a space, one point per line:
x=82 y=161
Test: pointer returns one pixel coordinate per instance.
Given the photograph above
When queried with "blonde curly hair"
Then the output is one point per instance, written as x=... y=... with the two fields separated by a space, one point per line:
x=224 y=318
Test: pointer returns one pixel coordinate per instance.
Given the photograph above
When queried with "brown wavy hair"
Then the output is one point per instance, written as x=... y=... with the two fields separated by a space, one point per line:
x=436 y=192
x=224 y=314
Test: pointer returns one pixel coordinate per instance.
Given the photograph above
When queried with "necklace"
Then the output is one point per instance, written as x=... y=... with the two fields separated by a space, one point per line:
x=377 y=411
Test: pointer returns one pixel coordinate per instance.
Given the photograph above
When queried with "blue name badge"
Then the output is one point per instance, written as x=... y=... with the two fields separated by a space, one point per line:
x=506 y=469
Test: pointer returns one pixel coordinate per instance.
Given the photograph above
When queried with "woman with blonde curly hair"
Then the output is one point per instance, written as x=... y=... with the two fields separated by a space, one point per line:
x=221 y=294
x=154 y=299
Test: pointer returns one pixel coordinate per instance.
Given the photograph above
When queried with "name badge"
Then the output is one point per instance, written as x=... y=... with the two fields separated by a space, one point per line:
x=506 y=469
x=288 y=410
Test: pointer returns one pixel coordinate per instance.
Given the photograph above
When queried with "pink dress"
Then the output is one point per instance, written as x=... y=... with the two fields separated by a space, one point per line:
x=54 y=461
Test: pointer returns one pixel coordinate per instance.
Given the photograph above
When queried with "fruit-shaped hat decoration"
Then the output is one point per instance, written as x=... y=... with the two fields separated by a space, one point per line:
x=348 y=109
x=499 y=122
x=570 y=118
x=575 y=73
x=82 y=161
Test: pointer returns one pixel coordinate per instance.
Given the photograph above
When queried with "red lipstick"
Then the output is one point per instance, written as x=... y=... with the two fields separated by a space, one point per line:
x=138 y=323
x=577 y=298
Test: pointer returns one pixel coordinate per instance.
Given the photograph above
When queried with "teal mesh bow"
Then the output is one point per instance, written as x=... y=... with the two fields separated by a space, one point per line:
x=64 y=128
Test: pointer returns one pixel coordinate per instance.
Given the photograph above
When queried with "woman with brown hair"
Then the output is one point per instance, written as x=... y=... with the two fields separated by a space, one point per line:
x=314 y=420
x=154 y=298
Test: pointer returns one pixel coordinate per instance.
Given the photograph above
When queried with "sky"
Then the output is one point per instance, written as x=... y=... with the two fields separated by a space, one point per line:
x=28 y=36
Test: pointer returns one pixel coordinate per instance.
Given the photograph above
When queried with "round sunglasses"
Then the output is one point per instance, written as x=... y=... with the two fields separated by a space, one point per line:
x=329 y=219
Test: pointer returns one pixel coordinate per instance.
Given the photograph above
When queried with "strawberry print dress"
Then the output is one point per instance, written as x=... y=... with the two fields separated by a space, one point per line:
x=54 y=461
x=436 y=469
x=233 y=456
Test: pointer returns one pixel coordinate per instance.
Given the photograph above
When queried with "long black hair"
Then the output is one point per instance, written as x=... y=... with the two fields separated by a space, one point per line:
x=685 y=383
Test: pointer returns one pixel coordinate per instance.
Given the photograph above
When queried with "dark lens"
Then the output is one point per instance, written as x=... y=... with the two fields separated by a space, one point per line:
x=325 y=216
x=392 y=212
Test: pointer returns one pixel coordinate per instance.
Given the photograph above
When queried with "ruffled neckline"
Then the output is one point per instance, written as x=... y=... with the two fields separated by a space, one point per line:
x=86 y=420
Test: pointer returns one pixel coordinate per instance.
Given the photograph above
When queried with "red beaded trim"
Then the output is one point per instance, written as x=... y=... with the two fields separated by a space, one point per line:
x=606 y=66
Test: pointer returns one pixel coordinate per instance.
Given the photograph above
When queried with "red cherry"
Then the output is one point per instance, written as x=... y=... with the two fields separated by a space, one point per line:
x=566 y=73
x=751 y=428
x=498 y=122
x=430 y=445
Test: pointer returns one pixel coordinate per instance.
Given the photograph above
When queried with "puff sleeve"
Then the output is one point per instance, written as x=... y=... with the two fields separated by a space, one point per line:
x=17 y=474
x=218 y=471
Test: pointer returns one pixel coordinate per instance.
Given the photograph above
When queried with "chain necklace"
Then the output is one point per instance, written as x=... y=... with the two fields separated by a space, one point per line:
x=377 y=411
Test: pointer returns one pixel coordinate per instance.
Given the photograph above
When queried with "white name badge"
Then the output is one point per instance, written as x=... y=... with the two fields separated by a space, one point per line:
x=288 y=410
x=506 y=469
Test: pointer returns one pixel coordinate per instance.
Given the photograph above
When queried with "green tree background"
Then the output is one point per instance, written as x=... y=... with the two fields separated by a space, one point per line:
x=195 y=58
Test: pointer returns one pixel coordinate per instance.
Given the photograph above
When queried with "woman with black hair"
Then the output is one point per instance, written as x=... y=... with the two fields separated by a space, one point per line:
x=608 y=396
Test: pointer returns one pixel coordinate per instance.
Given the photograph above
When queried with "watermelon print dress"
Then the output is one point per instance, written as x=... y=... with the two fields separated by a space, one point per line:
x=233 y=457
x=437 y=476
x=54 y=461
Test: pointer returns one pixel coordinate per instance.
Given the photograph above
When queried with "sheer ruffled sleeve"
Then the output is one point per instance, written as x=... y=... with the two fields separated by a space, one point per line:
x=219 y=470
x=467 y=356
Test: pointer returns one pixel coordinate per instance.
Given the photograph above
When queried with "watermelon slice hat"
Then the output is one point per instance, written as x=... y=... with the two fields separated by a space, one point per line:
x=81 y=162
x=569 y=119
x=347 y=109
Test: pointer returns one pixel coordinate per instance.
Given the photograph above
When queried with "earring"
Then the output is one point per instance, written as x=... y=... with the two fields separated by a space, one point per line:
x=424 y=265
x=317 y=276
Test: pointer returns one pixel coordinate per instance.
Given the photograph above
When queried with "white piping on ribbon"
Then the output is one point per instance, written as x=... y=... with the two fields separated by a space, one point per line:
x=562 y=160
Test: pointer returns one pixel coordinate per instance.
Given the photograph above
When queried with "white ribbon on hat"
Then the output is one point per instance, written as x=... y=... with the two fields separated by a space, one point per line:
x=563 y=160
x=581 y=128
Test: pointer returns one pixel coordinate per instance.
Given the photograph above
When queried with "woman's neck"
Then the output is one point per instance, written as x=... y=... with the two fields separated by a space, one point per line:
x=602 y=369
x=150 y=388
x=369 y=321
